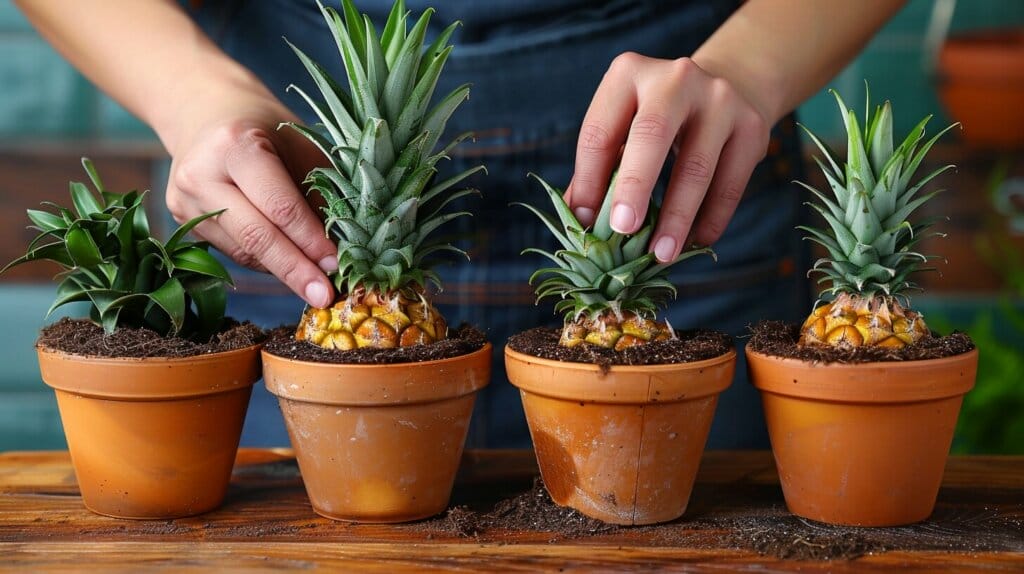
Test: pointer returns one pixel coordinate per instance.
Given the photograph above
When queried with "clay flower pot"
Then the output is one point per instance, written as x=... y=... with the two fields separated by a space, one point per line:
x=862 y=444
x=622 y=446
x=378 y=443
x=152 y=438
x=981 y=84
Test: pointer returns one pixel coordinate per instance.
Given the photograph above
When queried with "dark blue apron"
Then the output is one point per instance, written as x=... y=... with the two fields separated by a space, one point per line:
x=534 y=65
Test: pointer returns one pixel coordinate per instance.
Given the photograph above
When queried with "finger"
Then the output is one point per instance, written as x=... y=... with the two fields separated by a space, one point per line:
x=256 y=169
x=656 y=125
x=741 y=154
x=258 y=238
x=692 y=173
x=210 y=232
x=602 y=133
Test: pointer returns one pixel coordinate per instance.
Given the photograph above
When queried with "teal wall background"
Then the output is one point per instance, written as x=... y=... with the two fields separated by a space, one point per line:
x=42 y=99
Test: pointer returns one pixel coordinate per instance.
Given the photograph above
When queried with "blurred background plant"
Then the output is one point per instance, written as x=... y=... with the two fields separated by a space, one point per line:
x=991 y=419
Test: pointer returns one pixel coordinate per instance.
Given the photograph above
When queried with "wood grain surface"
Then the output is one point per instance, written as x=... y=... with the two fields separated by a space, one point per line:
x=736 y=523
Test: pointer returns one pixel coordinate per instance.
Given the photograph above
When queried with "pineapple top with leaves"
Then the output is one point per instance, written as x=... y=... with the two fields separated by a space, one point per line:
x=870 y=238
x=382 y=201
x=128 y=277
x=608 y=284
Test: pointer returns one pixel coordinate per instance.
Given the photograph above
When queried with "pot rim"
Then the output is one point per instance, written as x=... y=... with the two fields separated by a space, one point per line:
x=202 y=375
x=318 y=383
x=622 y=384
x=874 y=382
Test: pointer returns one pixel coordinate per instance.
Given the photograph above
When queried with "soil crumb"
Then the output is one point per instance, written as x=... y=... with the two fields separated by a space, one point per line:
x=689 y=346
x=83 y=337
x=531 y=510
x=465 y=339
x=744 y=516
x=779 y=339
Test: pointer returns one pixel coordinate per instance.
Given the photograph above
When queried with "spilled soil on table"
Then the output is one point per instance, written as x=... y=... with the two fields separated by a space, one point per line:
x=744 y=517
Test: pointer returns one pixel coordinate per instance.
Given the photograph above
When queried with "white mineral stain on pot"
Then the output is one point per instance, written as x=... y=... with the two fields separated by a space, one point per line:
x=409 y=424
x=361 y=431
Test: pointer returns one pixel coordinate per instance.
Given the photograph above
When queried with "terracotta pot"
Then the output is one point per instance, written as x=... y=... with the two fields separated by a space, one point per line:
x=981 y=84
x=152 y=438
x=621 y=446
x=378 y=443
x=866 y=444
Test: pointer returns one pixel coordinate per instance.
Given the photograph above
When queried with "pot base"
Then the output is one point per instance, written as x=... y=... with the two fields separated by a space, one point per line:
x=621 y=446
x=861 y=444
x=378 y=443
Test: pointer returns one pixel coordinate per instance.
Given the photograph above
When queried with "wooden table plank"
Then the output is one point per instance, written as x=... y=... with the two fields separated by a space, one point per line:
x=736 y=523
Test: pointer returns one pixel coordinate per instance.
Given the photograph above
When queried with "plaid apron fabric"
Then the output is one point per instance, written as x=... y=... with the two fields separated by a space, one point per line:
x=534 y=65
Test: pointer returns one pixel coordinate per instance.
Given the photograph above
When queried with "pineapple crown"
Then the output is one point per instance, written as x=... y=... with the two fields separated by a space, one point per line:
x=870 y=239
x=382 y=202
x=599 y=269
x=128 y=277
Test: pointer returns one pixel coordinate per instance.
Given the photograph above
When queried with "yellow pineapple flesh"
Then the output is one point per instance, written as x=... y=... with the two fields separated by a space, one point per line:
x=615 y=332
x=855 y=321
x=373 y=319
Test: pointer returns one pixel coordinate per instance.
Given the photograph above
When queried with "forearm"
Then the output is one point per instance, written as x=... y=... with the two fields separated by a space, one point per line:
x=147 y=54
x=779 y=52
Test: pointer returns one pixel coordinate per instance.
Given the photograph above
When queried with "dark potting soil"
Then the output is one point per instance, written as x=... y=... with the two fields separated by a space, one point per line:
x=749 y=517
x=689 y=346
x=465 y=339
x=532 y=510
x=83 y=337
x=779 y=339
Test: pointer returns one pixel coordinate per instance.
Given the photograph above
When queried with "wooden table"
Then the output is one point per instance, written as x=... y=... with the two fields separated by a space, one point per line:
x=736 y=523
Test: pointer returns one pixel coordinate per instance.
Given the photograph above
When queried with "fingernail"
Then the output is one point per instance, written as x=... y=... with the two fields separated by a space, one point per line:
x=585 y=215
x=316 y=295
x=623 y=218
x=665 y=248
x=329 y=264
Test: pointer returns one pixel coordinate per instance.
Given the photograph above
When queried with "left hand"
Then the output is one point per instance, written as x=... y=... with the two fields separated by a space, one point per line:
x=645 y=107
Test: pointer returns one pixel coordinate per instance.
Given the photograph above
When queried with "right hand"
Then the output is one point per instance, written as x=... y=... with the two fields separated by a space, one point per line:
x=228 y=154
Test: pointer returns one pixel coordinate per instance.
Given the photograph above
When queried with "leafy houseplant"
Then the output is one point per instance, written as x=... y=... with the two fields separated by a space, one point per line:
x=619 y=443
x=400 y=428
x=865 y=443
x=153 y=437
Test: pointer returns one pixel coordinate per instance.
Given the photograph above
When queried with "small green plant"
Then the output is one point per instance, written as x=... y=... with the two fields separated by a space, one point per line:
x=608 y=284
x=128 y=277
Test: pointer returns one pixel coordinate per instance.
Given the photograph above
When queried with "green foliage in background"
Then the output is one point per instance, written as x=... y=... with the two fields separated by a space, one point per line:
x=992 y=418
x=128 y=277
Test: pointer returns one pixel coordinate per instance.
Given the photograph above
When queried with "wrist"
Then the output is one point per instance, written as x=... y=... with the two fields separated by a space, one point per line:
x=213 y=89
x=752 y=79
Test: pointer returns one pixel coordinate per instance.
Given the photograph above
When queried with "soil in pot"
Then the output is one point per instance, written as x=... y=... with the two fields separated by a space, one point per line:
x=689 y=346
x=81 y=337
x=860 y=436
x=618 y=435
x=152 y=423
x=778 y=339
x=378 y=433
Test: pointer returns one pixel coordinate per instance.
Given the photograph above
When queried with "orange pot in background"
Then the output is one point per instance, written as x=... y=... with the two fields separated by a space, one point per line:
x=862 y=444
x=378 y=443
x=981 y=84
x=622 y=446
x=152 y=438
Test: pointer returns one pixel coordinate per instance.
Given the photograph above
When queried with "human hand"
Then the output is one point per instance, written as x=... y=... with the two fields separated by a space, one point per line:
x=645 y=107
x=228 y=154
